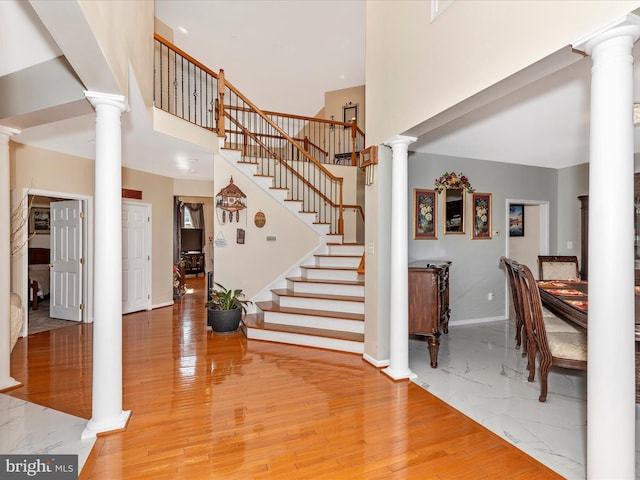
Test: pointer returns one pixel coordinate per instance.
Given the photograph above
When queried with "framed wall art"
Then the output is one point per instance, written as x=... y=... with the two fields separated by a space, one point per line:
x=481 y=206
x=516 y=220
x=424 y=214
x=39 y=220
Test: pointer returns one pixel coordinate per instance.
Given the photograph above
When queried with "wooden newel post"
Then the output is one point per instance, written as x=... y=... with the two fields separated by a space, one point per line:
x=340 y=210
x=354 y=133
x=221 y=129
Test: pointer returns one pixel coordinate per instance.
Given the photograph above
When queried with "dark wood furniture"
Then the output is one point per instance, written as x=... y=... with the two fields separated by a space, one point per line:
x=556 y=349
x=517 y=304
x=38 y=276
x=573 y=307
x=584 y=236
x=193 y=263
x=429 y=310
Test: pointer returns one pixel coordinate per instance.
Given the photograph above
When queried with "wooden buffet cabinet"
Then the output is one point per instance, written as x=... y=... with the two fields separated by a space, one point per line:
x=429 y=310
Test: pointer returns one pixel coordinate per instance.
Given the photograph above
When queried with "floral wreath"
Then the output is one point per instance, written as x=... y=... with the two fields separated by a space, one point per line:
x=453 y=180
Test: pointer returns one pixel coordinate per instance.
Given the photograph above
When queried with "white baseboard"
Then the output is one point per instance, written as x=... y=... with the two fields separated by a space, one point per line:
x=374 y=362
x=475 y=321
x=160 y=305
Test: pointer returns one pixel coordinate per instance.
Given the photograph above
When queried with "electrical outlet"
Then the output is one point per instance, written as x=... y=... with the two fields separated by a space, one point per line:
x=490 y=296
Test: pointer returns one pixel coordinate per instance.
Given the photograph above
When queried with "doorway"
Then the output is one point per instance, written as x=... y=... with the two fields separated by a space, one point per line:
x=528 y=241
x=36 y=244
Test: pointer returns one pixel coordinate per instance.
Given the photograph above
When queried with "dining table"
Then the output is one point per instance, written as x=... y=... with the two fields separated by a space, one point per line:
x=568 y=299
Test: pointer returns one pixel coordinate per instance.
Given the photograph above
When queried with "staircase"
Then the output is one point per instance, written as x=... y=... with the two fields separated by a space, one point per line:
x=322 y=307
x=321 y=304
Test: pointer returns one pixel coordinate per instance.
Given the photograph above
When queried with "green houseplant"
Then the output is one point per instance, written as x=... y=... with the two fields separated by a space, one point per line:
x=225 y=309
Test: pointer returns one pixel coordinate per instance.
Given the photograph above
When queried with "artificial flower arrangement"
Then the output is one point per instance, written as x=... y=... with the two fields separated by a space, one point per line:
x=453 y=180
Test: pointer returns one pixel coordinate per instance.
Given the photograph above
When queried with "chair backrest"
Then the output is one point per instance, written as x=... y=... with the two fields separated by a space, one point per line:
x=513 y=286
x=558 y=267
x=532 y=309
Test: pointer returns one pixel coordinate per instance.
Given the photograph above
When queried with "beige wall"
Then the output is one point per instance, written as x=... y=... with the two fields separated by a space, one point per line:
x=124 y=30
x=254 y=265
x=44 y=170
x=335 y=99
x=156 y=190
x=416 y=69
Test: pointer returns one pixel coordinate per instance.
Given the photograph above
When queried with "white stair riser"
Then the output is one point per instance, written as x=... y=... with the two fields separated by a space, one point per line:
x=326 y=288
x=326 y=323
x=337 y=261
x=329 y=274
x=320 y=304
x=306 y=340
x=346 y=250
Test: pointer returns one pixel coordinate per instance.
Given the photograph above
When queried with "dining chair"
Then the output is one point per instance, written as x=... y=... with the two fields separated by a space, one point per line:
x=556 y=349
x=558 y=267
x=552 y=322
x=517 y=307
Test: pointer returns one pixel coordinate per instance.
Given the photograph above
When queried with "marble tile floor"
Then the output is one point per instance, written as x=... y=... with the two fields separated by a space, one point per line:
x=27 y=428
x=481 y=374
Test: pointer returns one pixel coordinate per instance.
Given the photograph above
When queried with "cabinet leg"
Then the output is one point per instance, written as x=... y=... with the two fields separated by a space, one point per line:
x=434 y=346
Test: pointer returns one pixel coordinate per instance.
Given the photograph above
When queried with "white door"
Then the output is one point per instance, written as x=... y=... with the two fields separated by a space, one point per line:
x=66 y=260
x=136 y=257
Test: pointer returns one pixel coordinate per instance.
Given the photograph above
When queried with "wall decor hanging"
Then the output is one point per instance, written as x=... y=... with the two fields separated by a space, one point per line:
x=516 y=220
x=260 y=219
x=231 y=200
x=424 y=214
x=452 y=180
x=481 y=206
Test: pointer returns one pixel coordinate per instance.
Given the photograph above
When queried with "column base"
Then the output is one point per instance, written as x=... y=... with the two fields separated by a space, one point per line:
x=114 y=425
x=9 y=384
x=404 y=374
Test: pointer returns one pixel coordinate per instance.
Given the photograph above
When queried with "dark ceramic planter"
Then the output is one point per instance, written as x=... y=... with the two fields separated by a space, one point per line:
x=224 y=321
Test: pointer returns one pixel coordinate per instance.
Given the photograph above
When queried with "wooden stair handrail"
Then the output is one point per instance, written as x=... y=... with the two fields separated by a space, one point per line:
x=286 y=165
x=286 y=136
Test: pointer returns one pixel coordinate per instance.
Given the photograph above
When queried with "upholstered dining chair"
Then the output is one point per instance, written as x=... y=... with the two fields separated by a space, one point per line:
x=556 y=349
x=552 y=322
x=558 y=267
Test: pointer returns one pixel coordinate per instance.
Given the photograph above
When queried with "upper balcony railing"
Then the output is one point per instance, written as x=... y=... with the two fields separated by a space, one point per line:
x=292 y=149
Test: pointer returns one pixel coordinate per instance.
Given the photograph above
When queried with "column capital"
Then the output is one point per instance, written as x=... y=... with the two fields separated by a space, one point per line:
x=99 y=98
x=629 y=25
x=400 y=140
x=9 y=132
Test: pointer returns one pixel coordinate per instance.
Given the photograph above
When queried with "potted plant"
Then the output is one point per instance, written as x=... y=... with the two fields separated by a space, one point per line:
x=225 y=309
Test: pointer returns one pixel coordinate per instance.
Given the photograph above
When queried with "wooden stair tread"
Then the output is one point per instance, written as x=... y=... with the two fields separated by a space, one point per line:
x=285 y=292
x=269 y=306
x=357 y=283
x=337 y=255
x=254 y=321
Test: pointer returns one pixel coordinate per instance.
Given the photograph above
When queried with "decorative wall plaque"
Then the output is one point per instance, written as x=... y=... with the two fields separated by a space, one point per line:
x=260 y=219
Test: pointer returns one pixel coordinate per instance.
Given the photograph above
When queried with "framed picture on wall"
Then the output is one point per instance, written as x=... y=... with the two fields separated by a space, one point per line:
x=481 y=203
x=39 y=220
x=516 y=220
x=424 y=214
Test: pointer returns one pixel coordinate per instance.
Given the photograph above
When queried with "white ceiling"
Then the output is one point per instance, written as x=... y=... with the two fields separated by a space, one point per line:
x=284 y=56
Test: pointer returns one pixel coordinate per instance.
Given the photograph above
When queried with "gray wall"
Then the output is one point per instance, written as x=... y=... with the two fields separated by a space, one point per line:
x=476 y=263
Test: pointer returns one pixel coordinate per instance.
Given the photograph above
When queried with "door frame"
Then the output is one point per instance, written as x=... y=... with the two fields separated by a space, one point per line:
x=87 y=252
x=543 y=240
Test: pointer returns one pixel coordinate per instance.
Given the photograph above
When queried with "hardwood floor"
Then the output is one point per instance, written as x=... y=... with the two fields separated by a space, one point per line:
x=208 y=406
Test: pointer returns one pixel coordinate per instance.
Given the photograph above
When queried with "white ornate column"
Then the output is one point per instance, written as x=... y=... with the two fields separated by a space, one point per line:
x=399 y=277
x=107 y=414
x=6 y=381
x=611 y=357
